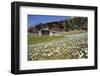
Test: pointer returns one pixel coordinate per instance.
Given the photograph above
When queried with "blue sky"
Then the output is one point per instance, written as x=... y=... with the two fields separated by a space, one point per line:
x=36 y=19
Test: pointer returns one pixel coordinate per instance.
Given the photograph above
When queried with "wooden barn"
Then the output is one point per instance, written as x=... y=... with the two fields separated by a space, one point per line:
x=53 y=28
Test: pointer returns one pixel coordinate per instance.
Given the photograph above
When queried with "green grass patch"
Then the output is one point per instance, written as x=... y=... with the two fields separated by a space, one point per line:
x=74 y=32
x=33 y=39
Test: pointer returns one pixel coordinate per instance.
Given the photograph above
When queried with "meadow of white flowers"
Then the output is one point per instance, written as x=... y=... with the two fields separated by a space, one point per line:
x=70 y=47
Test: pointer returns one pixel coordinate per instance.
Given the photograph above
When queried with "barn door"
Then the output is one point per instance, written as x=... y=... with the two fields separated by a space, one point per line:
x=45 y=32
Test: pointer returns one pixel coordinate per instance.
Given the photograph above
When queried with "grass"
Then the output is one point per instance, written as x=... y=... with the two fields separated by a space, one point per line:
x=32 y=39
x=72 y=45
x=74 y=32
